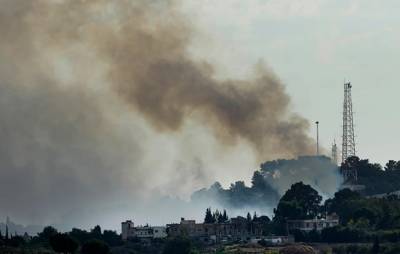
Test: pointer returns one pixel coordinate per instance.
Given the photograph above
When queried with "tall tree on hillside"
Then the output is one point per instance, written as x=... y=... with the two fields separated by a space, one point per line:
x=338 y=202
x=47 y=232
x=248 y=217
x=208 y=217
x=301 y=201
x=224 y=216
x=392 y=165
x=255 y=218
x=217 y=216
x=6 y=237
x=96 y=232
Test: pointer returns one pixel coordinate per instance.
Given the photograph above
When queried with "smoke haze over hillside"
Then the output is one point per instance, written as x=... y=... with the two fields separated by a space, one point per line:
x=103 y=108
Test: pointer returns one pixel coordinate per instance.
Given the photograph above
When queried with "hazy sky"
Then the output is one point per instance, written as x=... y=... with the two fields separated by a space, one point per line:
x=313 y=45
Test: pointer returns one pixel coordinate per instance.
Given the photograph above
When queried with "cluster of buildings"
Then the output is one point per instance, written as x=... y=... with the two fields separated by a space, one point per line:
x=237 y=229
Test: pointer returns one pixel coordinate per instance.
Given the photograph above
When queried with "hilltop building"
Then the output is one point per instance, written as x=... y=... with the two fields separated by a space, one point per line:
x=129 y=231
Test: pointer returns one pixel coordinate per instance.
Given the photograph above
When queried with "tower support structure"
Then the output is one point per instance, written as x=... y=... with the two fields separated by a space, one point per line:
x=348 y=141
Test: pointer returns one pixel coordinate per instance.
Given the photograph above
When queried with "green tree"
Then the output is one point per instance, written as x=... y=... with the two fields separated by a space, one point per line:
x=95 y=246
x=303 y=199
x=224 y=216
x=80 y=235
x=255 y=218
x=248 y=217
x=43 y=237
x=112 y=238
x=47 y=232
x=344 y=204
x=63 y=243
x=16 y=241
x=392 y=165
x=217 y=216
x=96 y=232
x=335 y=205
x=209 y=218
x=291 y=210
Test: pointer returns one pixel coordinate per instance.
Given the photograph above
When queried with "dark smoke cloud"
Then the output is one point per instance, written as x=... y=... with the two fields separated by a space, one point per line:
x=169 y=87
x=144 y=45
x=96 y=96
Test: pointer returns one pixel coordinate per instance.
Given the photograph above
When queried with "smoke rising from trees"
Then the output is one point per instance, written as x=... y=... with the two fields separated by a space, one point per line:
x=101 y=104
x=272 y=180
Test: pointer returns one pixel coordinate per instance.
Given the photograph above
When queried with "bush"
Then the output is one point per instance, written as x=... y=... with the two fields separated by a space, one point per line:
x=63 y=243
x=341 y=234
x=16 y=241
x=95 y=247
x=178 y=246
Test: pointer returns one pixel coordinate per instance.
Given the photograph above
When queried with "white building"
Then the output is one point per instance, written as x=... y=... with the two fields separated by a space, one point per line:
x=142 y=232
x=159 y=232
x=273 y=240
x=313 y=224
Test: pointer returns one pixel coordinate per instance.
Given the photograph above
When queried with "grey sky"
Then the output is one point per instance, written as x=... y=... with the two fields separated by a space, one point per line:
x=313 y=45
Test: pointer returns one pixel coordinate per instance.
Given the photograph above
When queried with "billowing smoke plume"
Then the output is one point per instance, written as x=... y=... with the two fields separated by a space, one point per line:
x=100 y=101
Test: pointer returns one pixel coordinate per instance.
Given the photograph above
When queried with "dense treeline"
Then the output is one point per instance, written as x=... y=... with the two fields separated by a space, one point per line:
x=362 y=219
x=94 y=241
x=274 y=177
x=216 y=217
x=375 y=178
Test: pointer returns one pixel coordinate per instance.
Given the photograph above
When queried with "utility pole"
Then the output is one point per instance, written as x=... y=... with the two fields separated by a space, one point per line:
x=334 y=153
x=317 y=123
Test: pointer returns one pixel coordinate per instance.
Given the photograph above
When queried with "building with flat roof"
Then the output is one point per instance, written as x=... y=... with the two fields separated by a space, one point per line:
x=147 y=232
x=313 y=224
